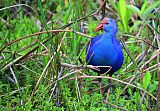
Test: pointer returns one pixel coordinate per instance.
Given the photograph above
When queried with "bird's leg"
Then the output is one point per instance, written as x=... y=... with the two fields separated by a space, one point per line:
x=108 y=89
x=100 y=85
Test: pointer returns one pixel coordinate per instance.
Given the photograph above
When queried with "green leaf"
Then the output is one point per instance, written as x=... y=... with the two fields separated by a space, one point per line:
x=134 y=9
x=150 y=9
x=153 y=86
x=135 y=26
x=120 y=26
x=146 y=80
x=122 y=8
x=144 y=6
x=128 y=15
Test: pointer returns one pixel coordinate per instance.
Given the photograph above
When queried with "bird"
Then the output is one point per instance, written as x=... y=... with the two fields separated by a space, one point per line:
x=104 y=49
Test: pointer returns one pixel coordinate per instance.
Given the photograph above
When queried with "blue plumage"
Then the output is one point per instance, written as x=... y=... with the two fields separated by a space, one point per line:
x=105 y=49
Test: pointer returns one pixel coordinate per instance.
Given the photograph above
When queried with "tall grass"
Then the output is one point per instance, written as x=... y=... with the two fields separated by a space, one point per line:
x=42 y=56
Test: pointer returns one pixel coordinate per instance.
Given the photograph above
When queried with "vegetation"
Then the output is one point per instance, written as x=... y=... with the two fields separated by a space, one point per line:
x=42 y=55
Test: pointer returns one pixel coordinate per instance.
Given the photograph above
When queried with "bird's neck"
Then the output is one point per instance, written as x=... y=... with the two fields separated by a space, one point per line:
x=108 y=35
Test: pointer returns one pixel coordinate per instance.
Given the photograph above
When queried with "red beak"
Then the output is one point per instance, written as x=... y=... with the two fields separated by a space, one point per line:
x=100 y=26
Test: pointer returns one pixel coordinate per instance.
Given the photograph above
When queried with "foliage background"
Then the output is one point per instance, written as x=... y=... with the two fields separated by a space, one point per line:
x=42 y=55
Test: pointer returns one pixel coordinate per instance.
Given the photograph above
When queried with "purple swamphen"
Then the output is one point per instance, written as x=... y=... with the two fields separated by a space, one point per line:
x=105 y=50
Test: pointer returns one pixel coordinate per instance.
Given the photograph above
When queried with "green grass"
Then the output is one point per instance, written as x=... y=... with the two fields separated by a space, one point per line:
x=30 y=67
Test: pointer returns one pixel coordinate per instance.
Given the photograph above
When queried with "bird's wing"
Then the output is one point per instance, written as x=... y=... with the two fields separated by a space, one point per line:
x=93 y=41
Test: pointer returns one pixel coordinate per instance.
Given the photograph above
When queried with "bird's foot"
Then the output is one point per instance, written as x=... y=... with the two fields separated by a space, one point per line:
x=108 y=92
x=100 y=86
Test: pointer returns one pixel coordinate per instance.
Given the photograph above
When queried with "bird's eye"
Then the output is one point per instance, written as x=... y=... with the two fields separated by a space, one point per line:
x=107 y=23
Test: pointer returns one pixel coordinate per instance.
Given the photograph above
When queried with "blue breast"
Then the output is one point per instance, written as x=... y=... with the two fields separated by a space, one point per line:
x=105 y=52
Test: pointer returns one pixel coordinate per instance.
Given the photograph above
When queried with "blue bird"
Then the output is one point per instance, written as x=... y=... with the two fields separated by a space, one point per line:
x=105 y=49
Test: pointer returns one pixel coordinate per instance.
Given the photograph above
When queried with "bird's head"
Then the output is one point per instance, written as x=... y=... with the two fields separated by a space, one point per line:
x=108 y=25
